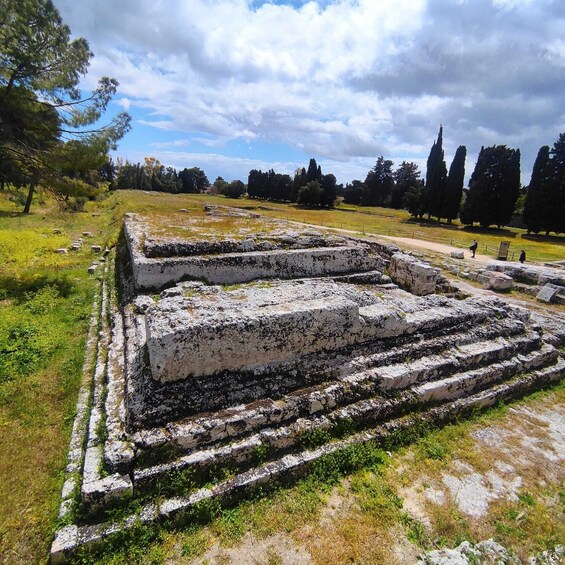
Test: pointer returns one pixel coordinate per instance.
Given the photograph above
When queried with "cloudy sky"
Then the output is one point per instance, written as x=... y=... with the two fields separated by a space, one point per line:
x=231 y=85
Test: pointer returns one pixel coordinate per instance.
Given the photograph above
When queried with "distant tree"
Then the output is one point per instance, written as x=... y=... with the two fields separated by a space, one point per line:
x=494 y=187
x=314 y=172
x=379 y=184
x=436 y=179
x=193 y=180
x=219 y=184
x=412 y=200
x=310 y=194
x=538 y=202
x=454 y=186
x=280 y=187
x=298 y=182
x=406 y=177
x=557 y=220
x=354 y=192
x=329 y=190
x=234 y=189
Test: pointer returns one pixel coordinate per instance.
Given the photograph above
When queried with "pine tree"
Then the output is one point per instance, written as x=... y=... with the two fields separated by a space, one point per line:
x=436 y=179
x=379 y=184
x=406 y=177
x=454 y=185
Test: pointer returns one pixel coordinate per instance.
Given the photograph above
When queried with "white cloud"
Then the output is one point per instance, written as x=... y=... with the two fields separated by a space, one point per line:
x=343 y=81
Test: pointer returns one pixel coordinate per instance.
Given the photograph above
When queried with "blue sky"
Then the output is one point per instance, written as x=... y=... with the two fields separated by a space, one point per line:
x=231 y=85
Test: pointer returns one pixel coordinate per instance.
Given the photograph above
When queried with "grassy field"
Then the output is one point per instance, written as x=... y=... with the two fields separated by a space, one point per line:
x=45 y=302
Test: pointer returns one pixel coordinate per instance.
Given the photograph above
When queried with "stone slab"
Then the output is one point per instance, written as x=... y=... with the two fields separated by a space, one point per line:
x=180 y=345
x=548 y=293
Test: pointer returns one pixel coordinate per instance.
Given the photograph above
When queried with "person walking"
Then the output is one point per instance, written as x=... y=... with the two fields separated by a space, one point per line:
x=522 y=256
x=473 y=248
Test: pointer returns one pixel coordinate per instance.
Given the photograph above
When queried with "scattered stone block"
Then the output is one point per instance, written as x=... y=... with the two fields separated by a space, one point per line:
x=61 y=250
x=184 y=210
x=457 y=255
x=76 y=246
x=415 y=276
x=499 y=282
x=483 y=278
x=96 y=248
x=57 y=231
x=92 y=269
x=87 y=234
x=549 y=292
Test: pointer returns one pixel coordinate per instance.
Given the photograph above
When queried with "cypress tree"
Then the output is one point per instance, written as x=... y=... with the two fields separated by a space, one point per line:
x=314 y=172
x=454 y=185
x=494 y=187
x=558 y=185
x=535 y=207
x=436 y=179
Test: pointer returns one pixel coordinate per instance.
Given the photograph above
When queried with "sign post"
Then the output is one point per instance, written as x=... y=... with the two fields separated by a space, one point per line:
x=503 y=250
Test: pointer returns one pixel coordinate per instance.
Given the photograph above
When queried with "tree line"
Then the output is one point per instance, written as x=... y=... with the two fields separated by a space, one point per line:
x=152 y=175
x=309 y=187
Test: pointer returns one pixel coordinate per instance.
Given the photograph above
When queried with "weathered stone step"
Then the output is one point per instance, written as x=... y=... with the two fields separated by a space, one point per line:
x=369 y=412
x=471 y=381
x=425 y=346
x=69 y=539
x=239 y=420
x=455 y=359
x=365 y=412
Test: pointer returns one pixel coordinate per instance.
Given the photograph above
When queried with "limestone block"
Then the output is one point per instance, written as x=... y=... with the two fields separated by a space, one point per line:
x=498 y=281
x=101 y=493
x=87 y=234
x=92 y=269
x=457 y=255
x=233 y=268
x=61 y=250
x=66 y=540
x=57 y=231
x=414 y=275
x=183 y=343
x=96 y=248
x=483 y=278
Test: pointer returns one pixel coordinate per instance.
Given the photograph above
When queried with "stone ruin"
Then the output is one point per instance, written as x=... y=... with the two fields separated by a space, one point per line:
x=229 y=351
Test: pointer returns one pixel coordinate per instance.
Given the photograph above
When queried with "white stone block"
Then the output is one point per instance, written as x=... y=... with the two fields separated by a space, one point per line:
x=499 y=281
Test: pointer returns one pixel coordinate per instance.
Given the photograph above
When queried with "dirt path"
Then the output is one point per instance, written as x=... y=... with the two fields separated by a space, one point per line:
x=439 y=247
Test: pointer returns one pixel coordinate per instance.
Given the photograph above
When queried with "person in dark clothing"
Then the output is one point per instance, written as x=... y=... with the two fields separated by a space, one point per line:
x=473 y=248
x=522 y=256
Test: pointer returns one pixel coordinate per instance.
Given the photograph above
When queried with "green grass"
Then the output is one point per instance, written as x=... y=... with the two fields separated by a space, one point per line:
x=45 y=302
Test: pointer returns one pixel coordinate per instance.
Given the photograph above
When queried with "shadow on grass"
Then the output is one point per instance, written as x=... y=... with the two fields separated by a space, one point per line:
x=490 y=231
x=30 y=282
x=555 y=239
x=423 y=223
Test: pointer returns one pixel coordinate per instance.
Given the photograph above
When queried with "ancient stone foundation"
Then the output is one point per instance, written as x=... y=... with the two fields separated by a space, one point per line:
x=230 y=351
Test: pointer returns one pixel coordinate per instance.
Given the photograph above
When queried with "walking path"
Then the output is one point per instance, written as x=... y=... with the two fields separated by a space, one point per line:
x=440 y=247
